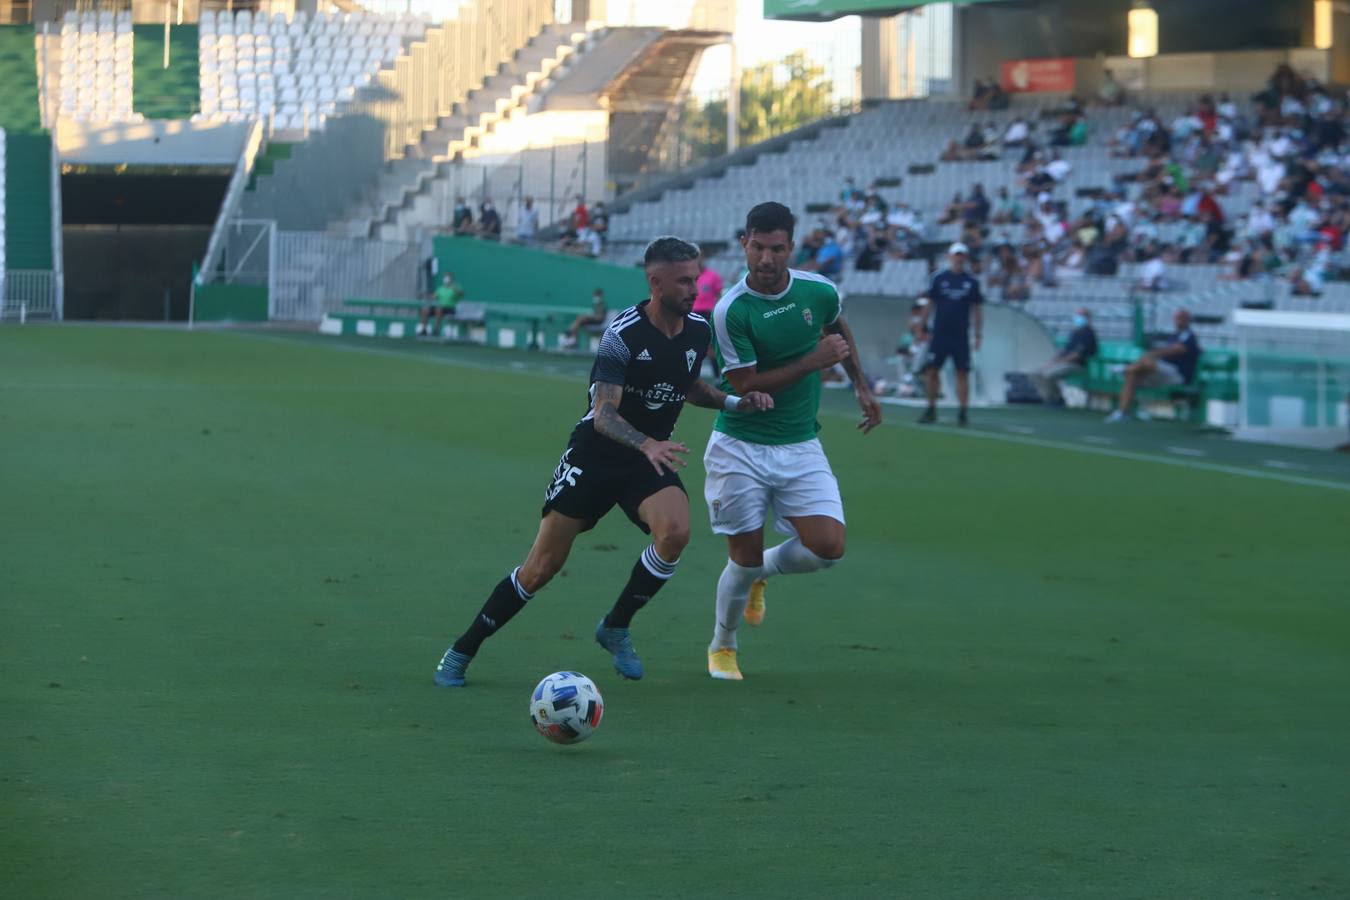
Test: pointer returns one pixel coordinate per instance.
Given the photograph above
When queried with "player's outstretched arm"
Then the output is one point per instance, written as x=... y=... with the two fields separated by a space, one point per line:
x=705 y=395
x=610 y=424
x=871 y=409
x=748 y=379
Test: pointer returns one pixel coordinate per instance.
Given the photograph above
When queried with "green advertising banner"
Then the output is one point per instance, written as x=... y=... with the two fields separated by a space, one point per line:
x=824 y=10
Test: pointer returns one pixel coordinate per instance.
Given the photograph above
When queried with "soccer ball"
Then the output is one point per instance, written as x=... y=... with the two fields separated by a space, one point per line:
x=566 y=707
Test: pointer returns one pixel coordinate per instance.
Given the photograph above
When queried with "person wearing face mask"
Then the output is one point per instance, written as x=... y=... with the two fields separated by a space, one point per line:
x=1081 y=347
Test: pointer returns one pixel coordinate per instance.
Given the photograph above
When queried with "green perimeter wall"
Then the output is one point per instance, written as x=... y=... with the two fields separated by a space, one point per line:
x=501 y=273
x=230 y=303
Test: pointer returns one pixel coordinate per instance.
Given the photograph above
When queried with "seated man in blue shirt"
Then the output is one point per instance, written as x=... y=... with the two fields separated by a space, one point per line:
x=830 y=258
x=1081 y=347
x=1173 y=365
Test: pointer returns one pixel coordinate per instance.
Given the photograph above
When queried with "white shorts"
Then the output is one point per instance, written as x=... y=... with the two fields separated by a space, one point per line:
x=744 y=481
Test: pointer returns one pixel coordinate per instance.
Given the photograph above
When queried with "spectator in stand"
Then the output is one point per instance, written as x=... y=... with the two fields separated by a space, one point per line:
x=1110 y=93
x=1153 y=273
x=594 y=319
x=489 y=223
x=829 y=259
x=527 y=222
x=998 y=98
x=1308 y=280
x=1172 y=365
x=1191 y=240
x=980 y=99
x=975 y=211
x=1007 y=209
x=1018 y=135
x=965 y=149
x=1007 y=275
x=599 y=220
x=1072 y=360
x=1058 y=168
x=954 y=209
x=461 y=221
x=808 y=247
x=581 y=216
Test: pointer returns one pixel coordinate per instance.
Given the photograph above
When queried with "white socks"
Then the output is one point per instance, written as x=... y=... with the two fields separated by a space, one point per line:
x=792 y=558
x=733 y=590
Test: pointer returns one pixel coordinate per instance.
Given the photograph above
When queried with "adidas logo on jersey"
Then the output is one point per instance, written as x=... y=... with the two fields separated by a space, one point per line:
x=644 y=356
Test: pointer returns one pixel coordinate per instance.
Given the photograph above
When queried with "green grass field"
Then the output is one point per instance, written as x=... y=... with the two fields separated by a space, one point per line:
x=229 y=563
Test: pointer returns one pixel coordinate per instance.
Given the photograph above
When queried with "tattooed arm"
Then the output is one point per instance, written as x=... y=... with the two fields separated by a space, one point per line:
x=609 y=423
x=705 y=395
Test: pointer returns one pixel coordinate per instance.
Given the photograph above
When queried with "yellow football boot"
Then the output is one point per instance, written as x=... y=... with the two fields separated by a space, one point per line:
x=754 y=607
x=722 y=664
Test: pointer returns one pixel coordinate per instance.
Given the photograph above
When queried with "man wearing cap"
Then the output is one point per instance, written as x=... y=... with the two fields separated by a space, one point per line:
x=957 y=304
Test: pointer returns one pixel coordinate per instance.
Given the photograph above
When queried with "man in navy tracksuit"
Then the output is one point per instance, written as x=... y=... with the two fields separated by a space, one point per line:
x=956 y=303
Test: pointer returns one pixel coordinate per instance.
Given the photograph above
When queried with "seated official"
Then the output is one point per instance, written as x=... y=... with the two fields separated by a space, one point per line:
x=1081 y=347
x=1173 y=365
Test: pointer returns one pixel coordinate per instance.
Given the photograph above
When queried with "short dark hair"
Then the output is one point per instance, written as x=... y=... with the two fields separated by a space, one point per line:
x=768 y=217
x=669 y=249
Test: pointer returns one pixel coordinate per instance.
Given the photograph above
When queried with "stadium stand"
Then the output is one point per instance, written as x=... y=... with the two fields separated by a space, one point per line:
x=27 y=163
x=411 y=190
x=293 y=72
x=159 y=92
x=906 y=191
x=96 y=67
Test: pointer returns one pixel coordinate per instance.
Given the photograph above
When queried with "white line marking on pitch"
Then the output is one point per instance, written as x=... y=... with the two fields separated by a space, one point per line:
x=1093 y=439
x=1186 y=451
x=1019 y=429
x=1281 y=464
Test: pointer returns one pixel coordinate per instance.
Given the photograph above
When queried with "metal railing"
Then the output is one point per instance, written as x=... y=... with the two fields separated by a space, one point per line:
x=27 y=294
x=233 y=193
x=313 y=273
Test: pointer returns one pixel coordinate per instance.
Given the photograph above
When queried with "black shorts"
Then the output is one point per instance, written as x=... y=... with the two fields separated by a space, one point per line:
x=587 y=485
x=940 y=350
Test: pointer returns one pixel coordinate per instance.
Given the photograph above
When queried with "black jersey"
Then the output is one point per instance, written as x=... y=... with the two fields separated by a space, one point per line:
x=655 y=371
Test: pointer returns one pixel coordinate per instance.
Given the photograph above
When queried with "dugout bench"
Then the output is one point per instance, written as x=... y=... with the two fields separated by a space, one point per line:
x=1216 y=378
x=521 y=325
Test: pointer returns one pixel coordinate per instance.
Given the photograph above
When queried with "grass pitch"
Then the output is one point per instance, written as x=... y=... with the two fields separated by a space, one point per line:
x=229 y=563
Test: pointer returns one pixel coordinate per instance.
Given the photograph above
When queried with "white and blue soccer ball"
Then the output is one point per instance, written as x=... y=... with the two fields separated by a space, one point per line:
x=566 y=707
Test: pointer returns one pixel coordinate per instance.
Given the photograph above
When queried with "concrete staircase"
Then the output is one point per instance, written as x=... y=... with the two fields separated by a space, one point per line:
x=505 y=94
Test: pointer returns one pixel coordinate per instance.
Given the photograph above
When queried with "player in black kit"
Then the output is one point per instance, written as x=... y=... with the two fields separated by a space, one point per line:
x=621 y=454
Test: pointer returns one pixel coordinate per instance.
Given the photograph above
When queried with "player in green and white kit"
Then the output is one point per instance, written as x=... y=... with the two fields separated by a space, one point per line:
x=774 y=331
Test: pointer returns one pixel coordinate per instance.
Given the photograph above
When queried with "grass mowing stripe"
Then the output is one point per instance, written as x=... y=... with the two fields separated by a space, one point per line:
x=1187 y=462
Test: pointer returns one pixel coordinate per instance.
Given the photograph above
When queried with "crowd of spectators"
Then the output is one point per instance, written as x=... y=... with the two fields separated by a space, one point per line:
x=1291 y=144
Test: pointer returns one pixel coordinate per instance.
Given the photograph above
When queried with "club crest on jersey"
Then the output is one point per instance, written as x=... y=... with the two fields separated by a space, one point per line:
x=689 y=357
x=806 y=314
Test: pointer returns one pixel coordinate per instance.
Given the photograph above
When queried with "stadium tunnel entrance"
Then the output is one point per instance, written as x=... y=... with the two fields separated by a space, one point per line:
x=131 y=237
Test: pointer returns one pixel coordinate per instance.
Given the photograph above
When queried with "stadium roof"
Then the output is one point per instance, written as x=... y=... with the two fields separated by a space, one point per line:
x=824 y=10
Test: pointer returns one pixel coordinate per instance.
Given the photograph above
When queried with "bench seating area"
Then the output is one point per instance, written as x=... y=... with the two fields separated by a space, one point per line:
x=1216 y=378
x=509 y=325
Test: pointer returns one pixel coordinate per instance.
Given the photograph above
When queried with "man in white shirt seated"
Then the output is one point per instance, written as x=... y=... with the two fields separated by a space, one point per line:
x=1017 y=134
x=1153 y=274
